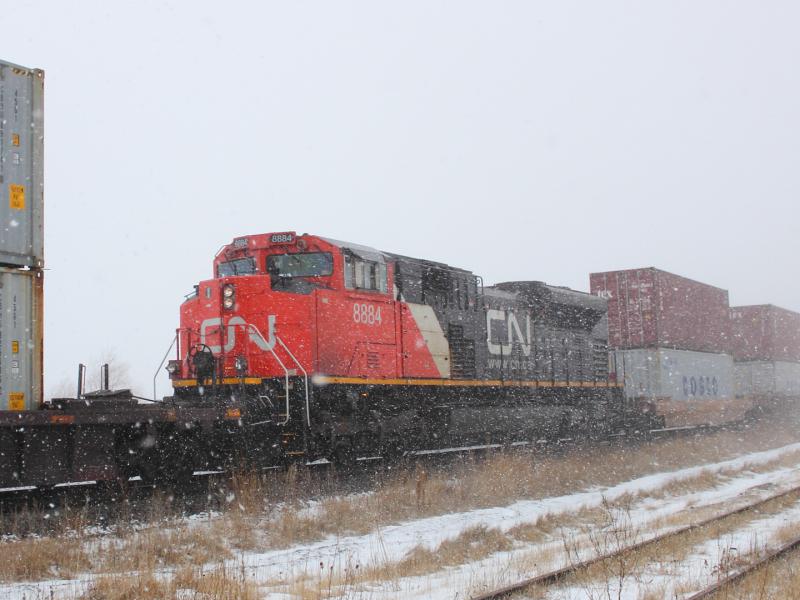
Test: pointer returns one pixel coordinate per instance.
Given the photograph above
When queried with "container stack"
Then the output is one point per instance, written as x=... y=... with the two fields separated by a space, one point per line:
x=21 y=236
x=669 y=338
x=766 y=347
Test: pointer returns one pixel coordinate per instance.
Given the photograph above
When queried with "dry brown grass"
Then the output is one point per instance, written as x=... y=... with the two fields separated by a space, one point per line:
x=217 y=583
x=131 y=587
x=346 y=515
x=251 y=491
x=220 y=582
x=291 y=527
x=42 y=519
x=679 y=487
x=779 y=579
x=707 y=479
x=521 y=566
x=33 y=559
x=470 y=545
x=537 y=531
x=156 y=548
x=786 y=533
x=346 y=581
x=657 y=592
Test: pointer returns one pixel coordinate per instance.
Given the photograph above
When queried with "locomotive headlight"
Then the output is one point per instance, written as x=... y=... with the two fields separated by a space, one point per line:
x=228 y=294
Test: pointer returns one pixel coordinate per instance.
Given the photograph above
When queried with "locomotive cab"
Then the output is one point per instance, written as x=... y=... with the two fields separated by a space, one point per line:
x=261 y=283
x=282 y=305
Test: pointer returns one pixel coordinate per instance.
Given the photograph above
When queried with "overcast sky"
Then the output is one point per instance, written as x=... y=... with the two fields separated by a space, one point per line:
x=522 y=140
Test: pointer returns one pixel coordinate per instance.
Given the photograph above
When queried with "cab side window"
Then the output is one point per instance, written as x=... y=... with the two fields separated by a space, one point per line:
x=360 y=274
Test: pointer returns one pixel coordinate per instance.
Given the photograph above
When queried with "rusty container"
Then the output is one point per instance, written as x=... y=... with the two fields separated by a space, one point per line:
x=651 y=308
x=765 y=332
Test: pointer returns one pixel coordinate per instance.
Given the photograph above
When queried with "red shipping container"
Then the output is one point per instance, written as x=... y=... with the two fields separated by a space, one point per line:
x=650 y=308
x=765 y=332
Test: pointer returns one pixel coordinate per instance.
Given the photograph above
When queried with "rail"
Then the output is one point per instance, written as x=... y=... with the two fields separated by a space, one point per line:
x=557 y=575
x=751 y=568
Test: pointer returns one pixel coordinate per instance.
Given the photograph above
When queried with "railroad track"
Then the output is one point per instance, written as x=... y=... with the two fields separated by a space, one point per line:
x=552 y=577
x=741 y=574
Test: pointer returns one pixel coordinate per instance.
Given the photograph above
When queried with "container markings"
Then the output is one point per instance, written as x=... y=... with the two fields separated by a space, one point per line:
x=16 y=196
x=16 y=401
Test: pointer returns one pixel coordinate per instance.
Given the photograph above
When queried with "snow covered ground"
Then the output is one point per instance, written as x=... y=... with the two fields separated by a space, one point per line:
x=707 y=563
x=393 y=543
x=360 y=565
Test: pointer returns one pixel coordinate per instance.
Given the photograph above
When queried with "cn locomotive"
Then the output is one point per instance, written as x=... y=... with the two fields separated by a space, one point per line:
x=338 y=350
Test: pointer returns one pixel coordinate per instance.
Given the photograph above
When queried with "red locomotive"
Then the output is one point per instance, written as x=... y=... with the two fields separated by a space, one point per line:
x=337 y=348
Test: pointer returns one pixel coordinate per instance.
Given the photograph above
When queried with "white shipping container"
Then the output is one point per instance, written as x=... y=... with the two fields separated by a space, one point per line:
x=21 y=166
x=663 y=373
x=20 y=339
x=770 y=378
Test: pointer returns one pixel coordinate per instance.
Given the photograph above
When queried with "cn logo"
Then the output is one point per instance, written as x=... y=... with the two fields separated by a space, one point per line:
x=234 y=324
x=514 y=332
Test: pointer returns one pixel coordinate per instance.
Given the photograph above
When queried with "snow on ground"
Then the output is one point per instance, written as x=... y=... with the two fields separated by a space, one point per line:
x=508 y=567
x=392 y=543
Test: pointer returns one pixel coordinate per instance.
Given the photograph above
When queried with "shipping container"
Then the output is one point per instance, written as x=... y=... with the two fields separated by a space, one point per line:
x=674 y=374
x=21 y=329
x=21 y=166
x=683 y=386
x=650 y=308
x=767 y=379
x=765 y=333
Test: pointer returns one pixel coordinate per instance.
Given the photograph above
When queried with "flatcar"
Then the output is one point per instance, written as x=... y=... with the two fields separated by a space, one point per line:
x=337 y=349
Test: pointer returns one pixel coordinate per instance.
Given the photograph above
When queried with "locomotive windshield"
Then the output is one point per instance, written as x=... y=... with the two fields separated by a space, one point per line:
x=241 y=266
x=309 y=264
